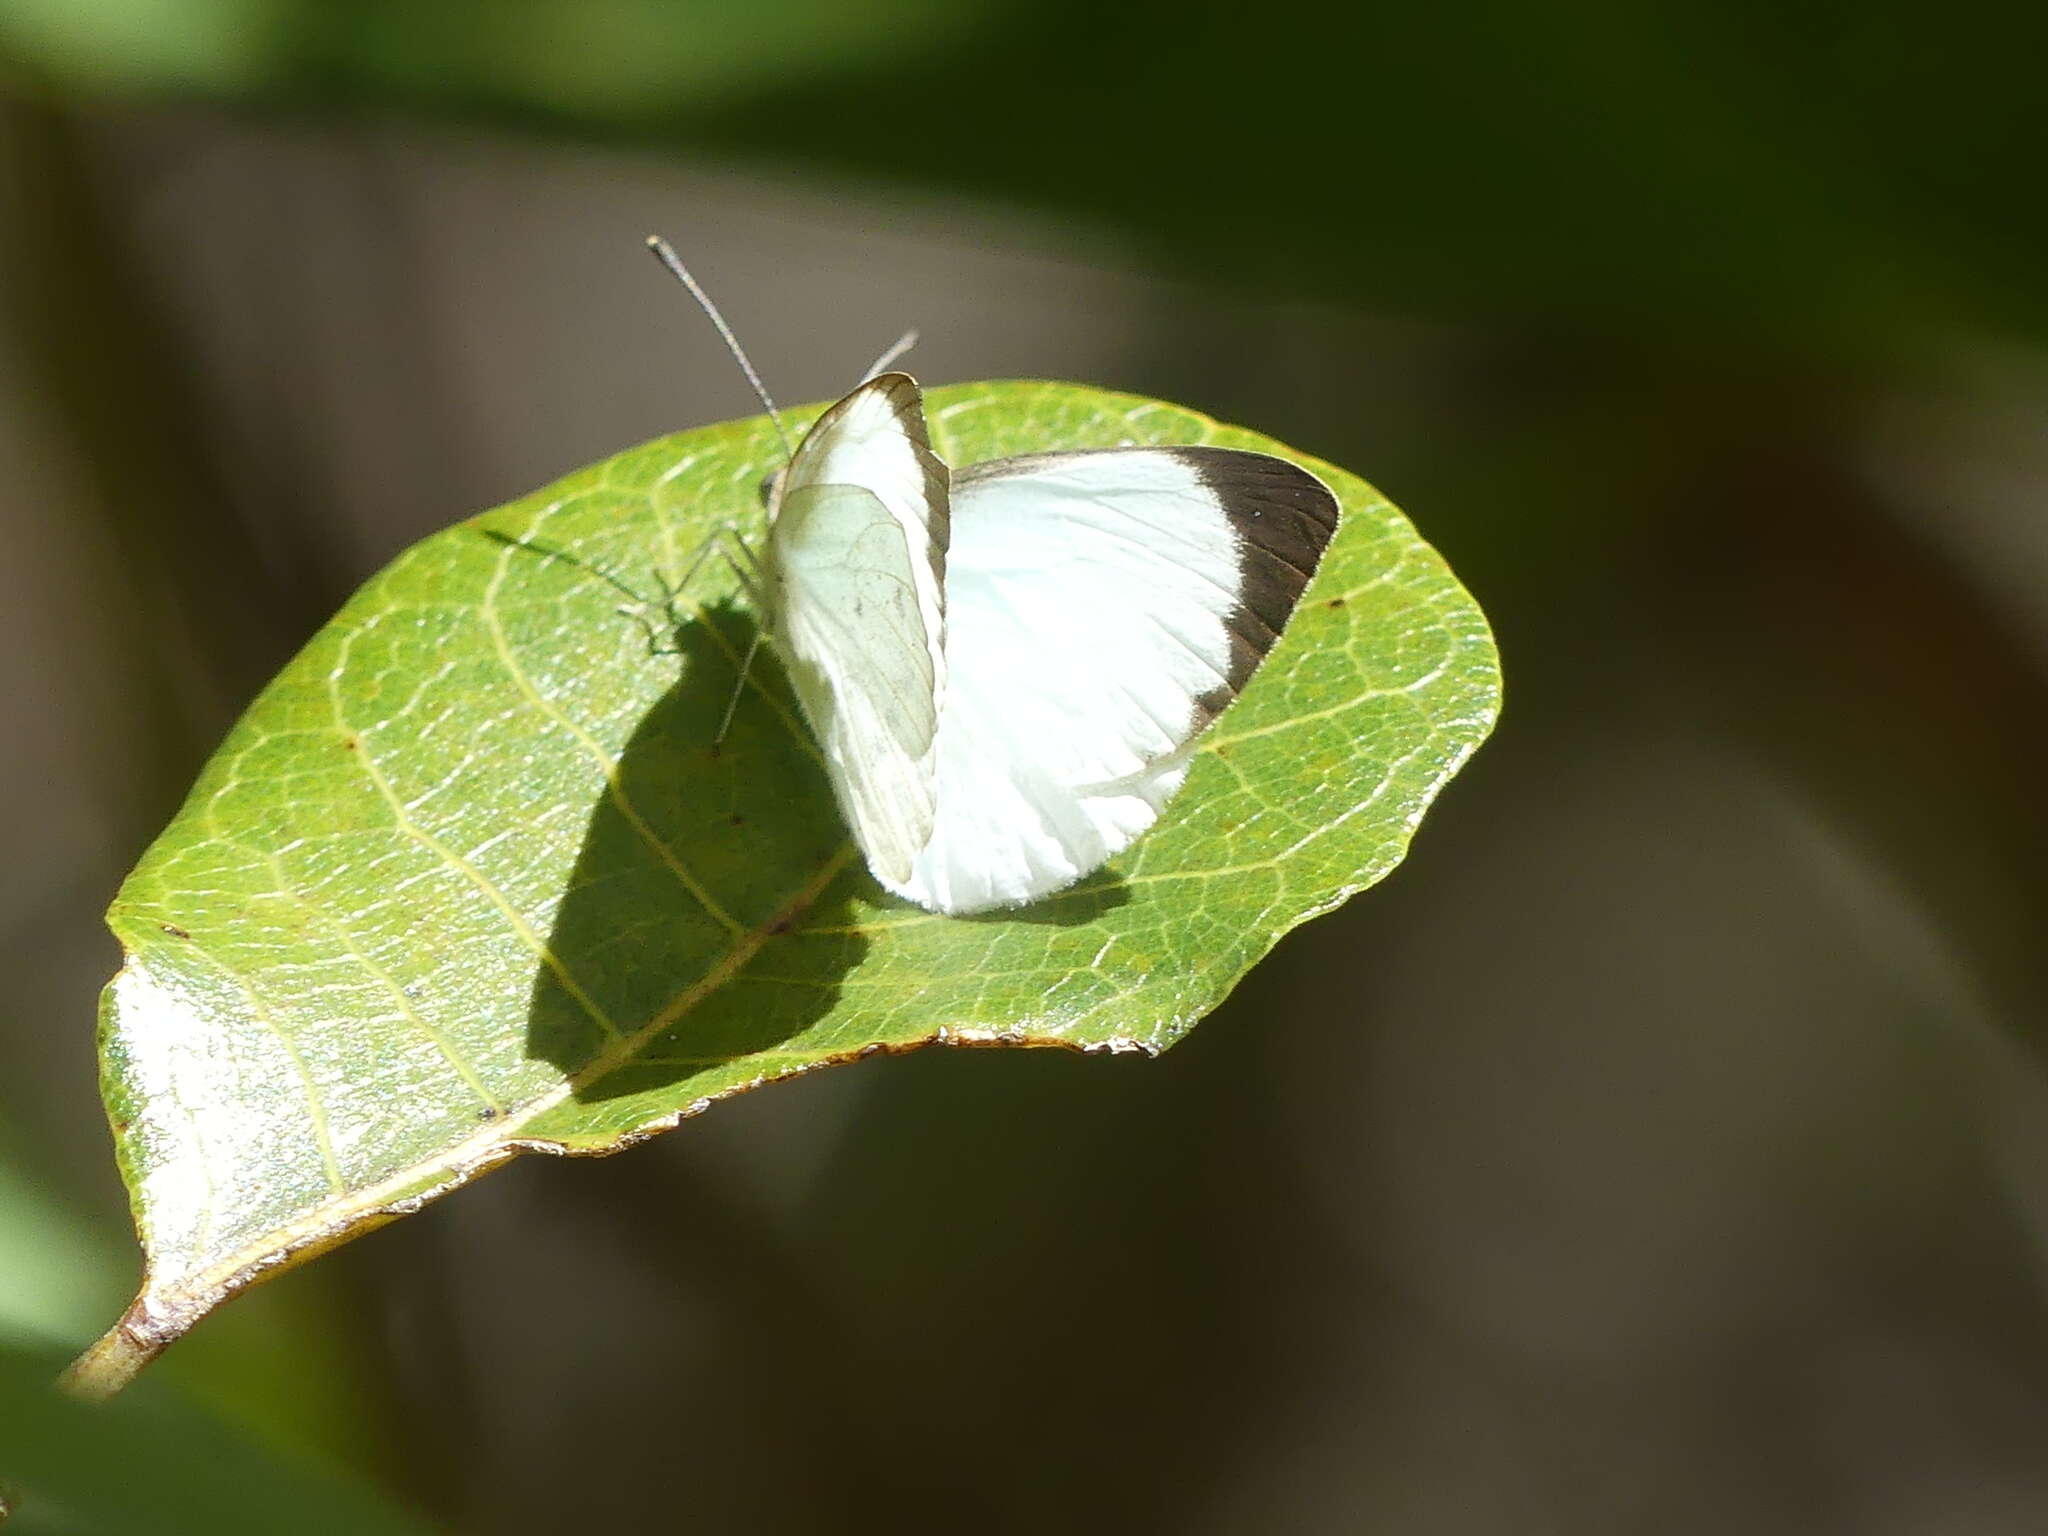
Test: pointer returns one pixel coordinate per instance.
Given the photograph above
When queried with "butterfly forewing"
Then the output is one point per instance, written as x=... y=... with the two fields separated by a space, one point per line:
x=1102 y=607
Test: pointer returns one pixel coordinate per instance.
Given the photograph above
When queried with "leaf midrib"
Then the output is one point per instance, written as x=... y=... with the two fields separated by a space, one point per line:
x=499 y=1140
x=426 y=1178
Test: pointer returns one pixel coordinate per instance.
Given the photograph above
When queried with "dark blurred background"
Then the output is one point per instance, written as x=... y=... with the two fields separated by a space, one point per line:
x=1665 y=1148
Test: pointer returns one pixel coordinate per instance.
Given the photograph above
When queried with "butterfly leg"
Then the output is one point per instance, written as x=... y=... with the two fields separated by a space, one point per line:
x=637 y=612
x=718 y=542
x=713 y=543
x=671 y=592
x=745 y=566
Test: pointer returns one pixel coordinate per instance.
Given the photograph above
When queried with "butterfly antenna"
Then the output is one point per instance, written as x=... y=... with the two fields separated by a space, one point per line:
x=665 y=254
x=903 y=344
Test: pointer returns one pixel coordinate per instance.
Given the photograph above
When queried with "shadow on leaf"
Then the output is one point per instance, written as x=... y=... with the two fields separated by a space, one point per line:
x=1103 y=891
x=695 y=855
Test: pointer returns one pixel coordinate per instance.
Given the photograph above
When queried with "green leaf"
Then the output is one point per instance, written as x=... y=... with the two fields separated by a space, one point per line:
x=471 y=879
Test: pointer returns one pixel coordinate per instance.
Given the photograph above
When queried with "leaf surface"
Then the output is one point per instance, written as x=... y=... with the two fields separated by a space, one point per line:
x=470 y=878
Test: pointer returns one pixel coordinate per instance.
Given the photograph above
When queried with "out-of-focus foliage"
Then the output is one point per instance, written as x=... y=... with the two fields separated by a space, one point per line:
x=157 y=1462
x=1798 y=175
x=219 y=45
x=600 y=60
x=52 y=1271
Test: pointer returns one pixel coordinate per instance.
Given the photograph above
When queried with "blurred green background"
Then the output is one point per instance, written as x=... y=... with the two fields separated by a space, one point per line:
x=1664 y=1149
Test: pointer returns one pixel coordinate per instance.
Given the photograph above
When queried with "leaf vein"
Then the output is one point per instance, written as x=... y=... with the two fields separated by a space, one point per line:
x=484 y=884
x=606 y=763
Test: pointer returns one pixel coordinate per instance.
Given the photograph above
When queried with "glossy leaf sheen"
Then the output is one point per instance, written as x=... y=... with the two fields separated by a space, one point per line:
x=470 y=878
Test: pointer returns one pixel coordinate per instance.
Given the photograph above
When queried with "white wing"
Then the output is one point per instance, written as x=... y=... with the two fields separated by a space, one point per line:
x=856 y=564
x=1102 y=608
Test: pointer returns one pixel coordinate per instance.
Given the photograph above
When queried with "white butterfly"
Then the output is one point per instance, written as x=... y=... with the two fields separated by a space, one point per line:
x=1008 y=667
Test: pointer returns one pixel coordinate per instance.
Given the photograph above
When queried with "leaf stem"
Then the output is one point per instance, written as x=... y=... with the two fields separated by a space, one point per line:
x=114 y=1360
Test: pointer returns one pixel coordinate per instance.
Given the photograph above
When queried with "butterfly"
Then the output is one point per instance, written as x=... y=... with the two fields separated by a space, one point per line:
x=1008 y=666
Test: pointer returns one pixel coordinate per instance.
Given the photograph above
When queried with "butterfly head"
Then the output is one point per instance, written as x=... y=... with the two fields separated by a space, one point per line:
x=771 y=487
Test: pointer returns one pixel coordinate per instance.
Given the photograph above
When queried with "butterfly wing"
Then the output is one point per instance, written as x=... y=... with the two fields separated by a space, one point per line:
x=1102 y=608
x=856 y=568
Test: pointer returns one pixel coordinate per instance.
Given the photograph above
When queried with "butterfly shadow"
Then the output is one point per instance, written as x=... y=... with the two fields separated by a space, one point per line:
x=1078 y=905
x=694 y=929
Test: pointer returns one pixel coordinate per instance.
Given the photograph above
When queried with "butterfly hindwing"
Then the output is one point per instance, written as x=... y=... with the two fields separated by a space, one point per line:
x=857 y=555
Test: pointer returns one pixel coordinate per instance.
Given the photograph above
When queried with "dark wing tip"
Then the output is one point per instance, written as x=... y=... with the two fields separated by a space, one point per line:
x=1284 y=518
